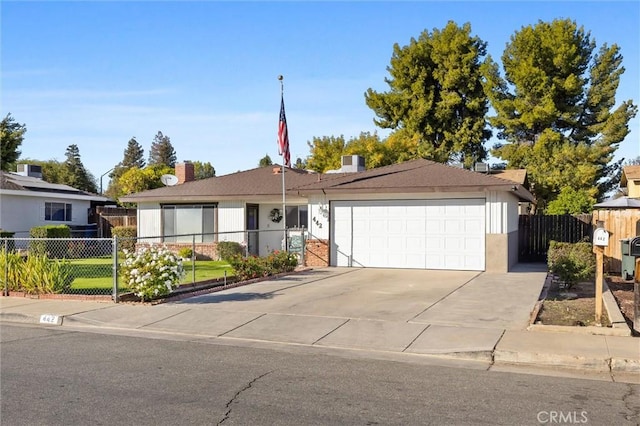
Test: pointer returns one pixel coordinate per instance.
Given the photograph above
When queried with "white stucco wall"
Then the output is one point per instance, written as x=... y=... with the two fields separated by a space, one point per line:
x=149 y=222
x=502 y=213
x=231 y=221
x=19 y=213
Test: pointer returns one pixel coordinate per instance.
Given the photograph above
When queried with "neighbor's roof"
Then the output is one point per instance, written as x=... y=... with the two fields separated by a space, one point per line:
x=16 y=182
x=254 y=183
x=629 y=173
x=514 y=175
x=408 y=177
x=415 y=176
x=619 y=203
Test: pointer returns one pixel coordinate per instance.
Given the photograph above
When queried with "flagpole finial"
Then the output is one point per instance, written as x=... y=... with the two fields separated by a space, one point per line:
x=280 y=78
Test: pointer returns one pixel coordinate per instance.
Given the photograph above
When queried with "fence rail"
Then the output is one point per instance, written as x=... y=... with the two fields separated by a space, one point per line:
x=90 y=266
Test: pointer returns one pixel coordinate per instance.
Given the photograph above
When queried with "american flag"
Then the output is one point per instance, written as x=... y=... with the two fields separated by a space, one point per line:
x=283 y=137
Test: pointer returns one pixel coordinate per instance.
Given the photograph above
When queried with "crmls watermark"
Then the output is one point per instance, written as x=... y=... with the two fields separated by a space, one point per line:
x=562 y=417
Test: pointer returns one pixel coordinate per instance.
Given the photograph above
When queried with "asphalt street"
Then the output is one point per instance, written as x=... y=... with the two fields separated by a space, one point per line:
x=57 y=376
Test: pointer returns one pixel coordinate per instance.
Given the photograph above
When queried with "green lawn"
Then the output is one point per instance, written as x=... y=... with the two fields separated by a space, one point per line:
x=96 y=273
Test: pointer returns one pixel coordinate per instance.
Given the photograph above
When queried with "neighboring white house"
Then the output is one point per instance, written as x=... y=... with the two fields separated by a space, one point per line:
x=27 y=201
x=418 y=214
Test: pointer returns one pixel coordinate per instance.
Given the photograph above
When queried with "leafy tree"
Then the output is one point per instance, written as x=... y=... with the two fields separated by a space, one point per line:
x=265 y=161
x=436 y=95
x=162 y=151
x=11 y=137
x=572 y=201
x=203 y=170
x=137 y=180
x=53 y=171
x=326 y=153
x=77 y=176
x=555 y=109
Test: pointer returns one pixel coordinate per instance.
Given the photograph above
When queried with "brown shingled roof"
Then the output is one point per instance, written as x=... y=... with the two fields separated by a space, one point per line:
x=411 y=176
x=254 y=183
x=5 y=183
x=514 y=175
x=414 y=176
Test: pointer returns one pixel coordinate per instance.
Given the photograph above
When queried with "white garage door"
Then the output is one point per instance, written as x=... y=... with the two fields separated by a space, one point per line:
x=417 y=234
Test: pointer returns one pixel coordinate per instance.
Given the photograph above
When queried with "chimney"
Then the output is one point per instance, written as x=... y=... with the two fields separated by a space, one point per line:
x=185 y=172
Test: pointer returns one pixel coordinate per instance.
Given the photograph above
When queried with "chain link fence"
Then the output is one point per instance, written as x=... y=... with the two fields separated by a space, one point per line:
x=90 y=266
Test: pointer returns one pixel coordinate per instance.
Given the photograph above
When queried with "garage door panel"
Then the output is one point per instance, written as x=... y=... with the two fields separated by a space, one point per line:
x=433 y=234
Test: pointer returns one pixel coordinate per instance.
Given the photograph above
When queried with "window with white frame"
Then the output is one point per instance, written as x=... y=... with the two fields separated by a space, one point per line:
x=297 y=216
x=181 y=222
x=58 y=212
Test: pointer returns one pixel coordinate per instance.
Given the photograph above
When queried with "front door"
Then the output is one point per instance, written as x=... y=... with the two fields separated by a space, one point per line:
x=253 y=247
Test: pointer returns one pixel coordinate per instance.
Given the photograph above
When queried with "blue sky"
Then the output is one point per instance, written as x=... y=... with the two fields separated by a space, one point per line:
x=205 y=73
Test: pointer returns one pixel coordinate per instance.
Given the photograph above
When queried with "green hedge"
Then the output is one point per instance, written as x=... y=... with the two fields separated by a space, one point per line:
x=50 y=247
x=10 y=243
x=229 y=249
x=126 y=237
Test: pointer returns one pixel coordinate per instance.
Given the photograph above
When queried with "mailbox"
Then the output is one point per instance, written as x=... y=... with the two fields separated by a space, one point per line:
x=634 y=247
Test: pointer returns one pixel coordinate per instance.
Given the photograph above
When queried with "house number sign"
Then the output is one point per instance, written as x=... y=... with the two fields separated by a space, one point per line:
x=600 y=237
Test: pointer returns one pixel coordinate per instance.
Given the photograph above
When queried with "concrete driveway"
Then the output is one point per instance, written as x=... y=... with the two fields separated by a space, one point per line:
x=461 y=314
x=455 y=298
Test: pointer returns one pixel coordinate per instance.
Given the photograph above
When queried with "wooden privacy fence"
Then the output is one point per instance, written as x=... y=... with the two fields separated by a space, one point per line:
x=108 y=217
x=621 y=224
x=535 y=232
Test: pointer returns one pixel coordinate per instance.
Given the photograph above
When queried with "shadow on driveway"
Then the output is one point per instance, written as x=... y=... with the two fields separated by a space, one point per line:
x=226 y=297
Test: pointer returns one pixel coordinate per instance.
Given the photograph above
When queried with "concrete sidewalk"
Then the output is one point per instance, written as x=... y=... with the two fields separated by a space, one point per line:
x=496 y=335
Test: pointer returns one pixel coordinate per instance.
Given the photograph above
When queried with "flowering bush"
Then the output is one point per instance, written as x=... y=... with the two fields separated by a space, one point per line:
x=151 y=271
x=254 y=267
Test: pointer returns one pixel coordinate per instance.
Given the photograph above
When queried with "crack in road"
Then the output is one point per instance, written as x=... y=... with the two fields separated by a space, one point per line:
x=630 y=400
x=227 y=414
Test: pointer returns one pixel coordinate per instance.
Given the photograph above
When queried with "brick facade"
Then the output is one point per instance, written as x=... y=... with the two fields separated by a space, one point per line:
x=317 y=253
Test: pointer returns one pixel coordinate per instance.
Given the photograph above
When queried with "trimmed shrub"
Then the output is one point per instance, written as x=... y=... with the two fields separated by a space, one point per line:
x=186 y=253
x=571 y=262
x=127 y=236
x=229 y=249
x=254 y=267
x=50 y=247
x=10 y=243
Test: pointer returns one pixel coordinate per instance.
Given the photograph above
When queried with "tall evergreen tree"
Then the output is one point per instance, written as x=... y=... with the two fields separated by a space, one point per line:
x=77 y=176
x=11 y=137
x=265 y=161
x=203 y=170
x=162 y=151
x=436 y=95
x=133 y=155
x=555 y=110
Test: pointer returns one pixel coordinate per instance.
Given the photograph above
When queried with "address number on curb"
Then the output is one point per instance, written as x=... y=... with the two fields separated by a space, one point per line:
x=50 y=319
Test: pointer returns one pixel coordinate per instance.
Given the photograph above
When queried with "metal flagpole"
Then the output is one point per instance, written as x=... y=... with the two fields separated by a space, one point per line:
x=284 y=200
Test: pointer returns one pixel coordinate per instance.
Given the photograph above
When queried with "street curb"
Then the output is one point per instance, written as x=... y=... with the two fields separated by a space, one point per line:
x=19 y=318
x=551 y=360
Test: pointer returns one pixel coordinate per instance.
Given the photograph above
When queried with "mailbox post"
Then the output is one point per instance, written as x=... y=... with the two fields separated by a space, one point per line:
x=600 y=240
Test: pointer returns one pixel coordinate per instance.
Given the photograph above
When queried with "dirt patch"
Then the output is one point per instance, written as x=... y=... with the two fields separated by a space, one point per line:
x=573 y=307
x=623 y=293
